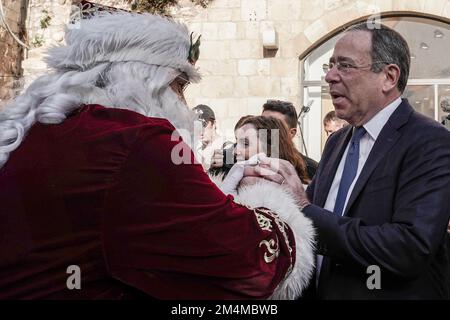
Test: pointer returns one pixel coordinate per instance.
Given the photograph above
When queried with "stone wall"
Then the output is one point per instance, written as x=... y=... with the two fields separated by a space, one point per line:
x=11 y=52
x=45 y=28
x=238 y=73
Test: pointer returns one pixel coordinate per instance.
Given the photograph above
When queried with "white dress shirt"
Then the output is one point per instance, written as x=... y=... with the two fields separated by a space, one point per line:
x=373 y=128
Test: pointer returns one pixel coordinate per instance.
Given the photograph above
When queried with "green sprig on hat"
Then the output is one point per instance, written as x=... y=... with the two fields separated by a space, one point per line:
x=194 y=50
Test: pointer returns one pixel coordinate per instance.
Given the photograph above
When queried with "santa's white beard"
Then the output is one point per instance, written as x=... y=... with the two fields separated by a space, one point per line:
x=136 y=96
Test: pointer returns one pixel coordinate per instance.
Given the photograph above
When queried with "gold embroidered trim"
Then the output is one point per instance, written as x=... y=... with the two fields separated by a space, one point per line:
x=263 y=221
x=272 y=248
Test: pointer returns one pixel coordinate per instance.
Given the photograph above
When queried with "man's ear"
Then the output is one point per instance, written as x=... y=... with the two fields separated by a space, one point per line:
x=292 y=132
x=392 y=73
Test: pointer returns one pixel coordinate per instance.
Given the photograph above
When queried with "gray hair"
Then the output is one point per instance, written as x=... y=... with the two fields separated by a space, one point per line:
x=388 y=46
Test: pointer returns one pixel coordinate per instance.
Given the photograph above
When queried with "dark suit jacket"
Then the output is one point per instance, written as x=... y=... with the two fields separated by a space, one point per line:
x=311 y=166
x=396 y=216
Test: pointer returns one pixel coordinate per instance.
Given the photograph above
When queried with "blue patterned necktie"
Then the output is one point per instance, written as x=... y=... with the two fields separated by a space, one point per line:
x=350 y=169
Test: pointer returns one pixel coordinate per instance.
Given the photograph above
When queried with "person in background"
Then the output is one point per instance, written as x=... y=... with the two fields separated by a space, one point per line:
x=285 y=111
x=331 y=123
x=210 y=140
x=268 y=135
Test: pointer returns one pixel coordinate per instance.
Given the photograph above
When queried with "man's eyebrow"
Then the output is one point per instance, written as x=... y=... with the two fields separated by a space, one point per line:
x=341 y=58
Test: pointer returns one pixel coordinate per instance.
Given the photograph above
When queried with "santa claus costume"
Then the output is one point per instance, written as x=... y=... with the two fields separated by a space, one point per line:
x=94 y=176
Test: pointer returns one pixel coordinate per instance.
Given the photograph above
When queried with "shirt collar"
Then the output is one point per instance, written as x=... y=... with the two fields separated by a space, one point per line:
x=376 y=124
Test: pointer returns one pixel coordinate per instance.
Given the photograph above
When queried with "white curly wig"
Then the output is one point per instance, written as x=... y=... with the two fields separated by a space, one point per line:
x=119 y=60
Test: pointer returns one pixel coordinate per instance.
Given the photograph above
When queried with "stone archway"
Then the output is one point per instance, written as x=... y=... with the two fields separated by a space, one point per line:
x=341 y=16
x=318 y=33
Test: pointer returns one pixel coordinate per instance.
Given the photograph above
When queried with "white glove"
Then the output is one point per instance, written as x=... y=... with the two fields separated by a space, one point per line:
x=231 y=182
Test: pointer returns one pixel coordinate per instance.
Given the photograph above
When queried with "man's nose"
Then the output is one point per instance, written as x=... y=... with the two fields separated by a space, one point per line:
x=332 y=75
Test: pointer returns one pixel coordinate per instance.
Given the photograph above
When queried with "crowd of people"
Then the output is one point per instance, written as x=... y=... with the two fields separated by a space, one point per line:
x=100 y=172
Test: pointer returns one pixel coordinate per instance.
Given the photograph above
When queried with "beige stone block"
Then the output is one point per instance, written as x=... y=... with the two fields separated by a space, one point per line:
x=312 y=10
x=263 y=67
x=227 y=125
x=413 y=5
x=253 y=10
x=194 y=90
x=289 y=86
x=234 y=3
x=255 y=104
x=240 y=86
x=284 y=67
x=298 y=27
x=290 y=49
x=224 y=14
x=436 y=7
x=227 y=30
x=247 y=67
x=210 y=31
x=217 y=87
x=33 y=64
x=201 y=16
x=236 y=14
x=446 y=10
x=337 y=18
x=261 y=86
x=282 y=10
x=196 y=27
x=244 y=49
x=237 y=107
x=300 y=45
x=218 y=67
x=278 y=10
x=248 y=30
x=219 y=107
x=383 y=5
x=215 y=50
x=316 y=30
x=218 y=4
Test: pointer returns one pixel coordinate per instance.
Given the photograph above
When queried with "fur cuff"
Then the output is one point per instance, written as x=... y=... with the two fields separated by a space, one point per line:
x=216 y=179
x=275 y=198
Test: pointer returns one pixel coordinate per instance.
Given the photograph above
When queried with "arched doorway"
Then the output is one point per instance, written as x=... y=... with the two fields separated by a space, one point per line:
x=428 y=85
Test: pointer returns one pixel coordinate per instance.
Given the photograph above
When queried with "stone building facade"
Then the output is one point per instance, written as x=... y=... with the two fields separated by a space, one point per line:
x=251 y=51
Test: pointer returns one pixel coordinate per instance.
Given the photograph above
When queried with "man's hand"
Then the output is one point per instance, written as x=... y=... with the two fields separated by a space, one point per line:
x=448 y=228
x=234 y=177
x=281 y=172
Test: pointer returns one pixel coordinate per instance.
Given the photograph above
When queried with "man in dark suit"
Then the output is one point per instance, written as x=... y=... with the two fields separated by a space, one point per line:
x=380 y=197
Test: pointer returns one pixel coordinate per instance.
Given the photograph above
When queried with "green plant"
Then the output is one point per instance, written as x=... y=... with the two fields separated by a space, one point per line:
x=161 y=6
x=45 y=19
x=38 y=41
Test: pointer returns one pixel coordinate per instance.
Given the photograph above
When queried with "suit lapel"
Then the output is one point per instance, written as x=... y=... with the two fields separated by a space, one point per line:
x=385 y=141
x=327 y=175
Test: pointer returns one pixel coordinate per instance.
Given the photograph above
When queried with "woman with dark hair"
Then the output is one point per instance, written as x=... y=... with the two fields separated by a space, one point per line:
x=256 y=134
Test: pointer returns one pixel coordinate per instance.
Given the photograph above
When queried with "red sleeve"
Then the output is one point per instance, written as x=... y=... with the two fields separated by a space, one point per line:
x=169 y=231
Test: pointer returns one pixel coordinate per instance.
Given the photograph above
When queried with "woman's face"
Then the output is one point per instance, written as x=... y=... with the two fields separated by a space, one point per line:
x=247 y=142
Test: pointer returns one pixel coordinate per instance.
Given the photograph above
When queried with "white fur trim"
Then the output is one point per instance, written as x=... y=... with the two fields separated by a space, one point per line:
x=106 y=38
x=216 y=179
x=277 y=199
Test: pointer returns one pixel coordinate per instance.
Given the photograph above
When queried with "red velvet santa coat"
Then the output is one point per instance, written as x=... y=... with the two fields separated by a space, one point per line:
x=101 y=192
